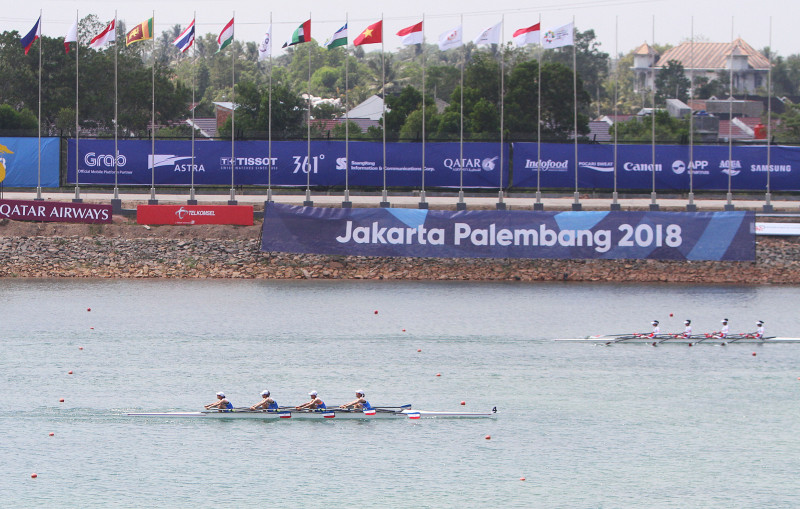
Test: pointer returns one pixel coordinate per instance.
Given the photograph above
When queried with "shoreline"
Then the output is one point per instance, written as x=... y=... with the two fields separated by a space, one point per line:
x=126 y=250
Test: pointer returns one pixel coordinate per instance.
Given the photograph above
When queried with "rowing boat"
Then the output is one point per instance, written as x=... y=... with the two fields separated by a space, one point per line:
x=669 y=338
x=334 y=413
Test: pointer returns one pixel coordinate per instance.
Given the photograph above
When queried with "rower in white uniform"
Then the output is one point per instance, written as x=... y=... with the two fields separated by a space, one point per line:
x=724 y=331
x=222 y=404
x=759 y=333
x=360 y=403
x=656 y=329
x=687 y=331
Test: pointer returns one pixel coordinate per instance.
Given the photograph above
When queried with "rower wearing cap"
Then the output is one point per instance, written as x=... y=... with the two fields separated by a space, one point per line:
x=359 y=403
x=656 y=329
x=759 y=334
x=222 y=404
x=687 y=331
x=266 y=402
x=725 y=330
x=315 y=403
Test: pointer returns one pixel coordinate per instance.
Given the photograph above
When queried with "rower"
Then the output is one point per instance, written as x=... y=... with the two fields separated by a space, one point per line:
x=222 y=404
x=687 y=331
x=315 y=403
x=656 y=329
x=266 y=402
x=359 y=403
x=759 y=334
x=725 y=331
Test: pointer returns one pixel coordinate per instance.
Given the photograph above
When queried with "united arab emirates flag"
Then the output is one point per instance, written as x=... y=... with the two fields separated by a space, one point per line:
x=301 y=35
x=226 y=36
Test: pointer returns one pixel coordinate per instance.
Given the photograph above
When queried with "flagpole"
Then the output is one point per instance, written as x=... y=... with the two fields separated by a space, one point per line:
x=116 y=199
x=269 y=118
x=153 y=200
x=538 y=205
x=615 y=195
x=577 y=204
x=500 y=204
x=77 y=198
x=729 y=202
x=384 y=195
x=39 y=155
x=422 y=203
x=653 y=204
x=768 y=195
x=308 y=202
x=192 y=199
x=461 y=205
x=232 y=200
x=691 y=207
x=346 y=203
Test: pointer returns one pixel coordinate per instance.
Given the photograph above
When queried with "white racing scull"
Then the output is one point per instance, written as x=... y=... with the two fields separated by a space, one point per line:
x=332 y=413
x=678 y=338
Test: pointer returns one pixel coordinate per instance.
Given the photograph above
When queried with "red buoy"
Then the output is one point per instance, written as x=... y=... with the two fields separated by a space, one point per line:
x=80 y=348
x=419 y=349
x=670 y=315
x=404 y=330
x=438 y=374
x=61 y=400
x=52 y=434
x=488 y=437
x=376 y=311
x=34 y=476
x=754 y=354
x=521 y=478
x=463 y=403
x=69 y=373
x=88 y=309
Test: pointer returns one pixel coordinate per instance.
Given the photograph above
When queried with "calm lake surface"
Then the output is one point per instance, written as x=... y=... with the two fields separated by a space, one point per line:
x=586 y=426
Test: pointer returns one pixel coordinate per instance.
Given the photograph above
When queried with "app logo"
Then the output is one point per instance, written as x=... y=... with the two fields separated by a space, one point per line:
x=678 y=167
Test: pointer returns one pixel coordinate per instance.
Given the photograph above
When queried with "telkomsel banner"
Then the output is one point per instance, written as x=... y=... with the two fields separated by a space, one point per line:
x=710 y=167
x=20 y=165
x=55 y=212
x=290 y=163
x=195 y=214
x=510 y=234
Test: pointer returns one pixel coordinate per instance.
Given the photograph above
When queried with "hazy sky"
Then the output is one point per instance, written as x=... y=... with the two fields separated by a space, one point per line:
x=673 y=18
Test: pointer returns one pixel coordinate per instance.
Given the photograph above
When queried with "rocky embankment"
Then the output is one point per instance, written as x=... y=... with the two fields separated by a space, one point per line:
x=127 y=250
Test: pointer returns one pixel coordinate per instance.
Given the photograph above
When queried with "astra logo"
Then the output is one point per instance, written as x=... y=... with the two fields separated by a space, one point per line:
x=488 y=164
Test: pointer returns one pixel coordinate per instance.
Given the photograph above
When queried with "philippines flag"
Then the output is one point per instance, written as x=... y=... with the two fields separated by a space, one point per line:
x=186 y=39
x=525 y=36
x=34 y=34
x=411 y=35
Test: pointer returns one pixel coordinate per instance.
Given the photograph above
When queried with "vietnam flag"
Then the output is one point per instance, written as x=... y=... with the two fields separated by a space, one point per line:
x=141 y=32
x=371 y=35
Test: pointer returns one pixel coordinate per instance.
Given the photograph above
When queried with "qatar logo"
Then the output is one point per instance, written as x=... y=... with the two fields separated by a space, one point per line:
x=488 y=164
x=678 y=167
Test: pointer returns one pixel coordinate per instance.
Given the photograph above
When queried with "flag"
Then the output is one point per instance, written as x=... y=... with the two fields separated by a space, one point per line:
x=141 y=32
x=371 y=35
x=265 y=46
x=186 y=39
x=489 y=36
x=226 y=36
x=34 y=34
x=558 y=37
x=525 y=36
x=72 y=36
x=337 y=39
x=450 y=39
x=411 y=35
x=104 y=37
x=301 y=35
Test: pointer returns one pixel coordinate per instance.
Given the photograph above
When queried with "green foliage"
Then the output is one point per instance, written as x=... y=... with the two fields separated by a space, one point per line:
x=789 y=127
x=640 y=129
x=672 y=83
x=16 y=123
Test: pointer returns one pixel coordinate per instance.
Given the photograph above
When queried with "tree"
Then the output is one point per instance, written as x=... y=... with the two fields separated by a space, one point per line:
x=789 y=127
x=399 y=107
x=640 y=129
x=672 y=83
x=591 y=63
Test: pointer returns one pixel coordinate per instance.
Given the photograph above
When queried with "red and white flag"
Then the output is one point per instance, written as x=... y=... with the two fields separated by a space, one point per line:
x=411 y=35
x=329 y=415
x=525 y=36
x=369 y=412
x=104 y=37
x=72 y=36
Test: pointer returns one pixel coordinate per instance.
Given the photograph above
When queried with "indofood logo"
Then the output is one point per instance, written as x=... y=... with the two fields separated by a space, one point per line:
x=3 y=150
x=731 y=167
x=173 y=162
x=547 y=165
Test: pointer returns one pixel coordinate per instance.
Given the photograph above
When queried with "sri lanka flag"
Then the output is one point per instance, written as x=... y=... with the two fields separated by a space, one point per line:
x=34 y=34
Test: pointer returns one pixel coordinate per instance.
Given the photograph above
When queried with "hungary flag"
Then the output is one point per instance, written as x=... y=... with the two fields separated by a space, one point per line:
x=226 y=36
x=301 y=35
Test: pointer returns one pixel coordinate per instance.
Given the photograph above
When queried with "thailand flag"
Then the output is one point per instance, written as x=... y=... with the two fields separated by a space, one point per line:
x=186 y=39
x=369 y=412
x=329 y=415
x=34 y=34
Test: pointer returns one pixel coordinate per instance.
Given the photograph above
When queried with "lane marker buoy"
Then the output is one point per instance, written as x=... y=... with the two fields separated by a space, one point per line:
x=488 y=437
x=61 y=400
x=438 y=374
x=34 y=476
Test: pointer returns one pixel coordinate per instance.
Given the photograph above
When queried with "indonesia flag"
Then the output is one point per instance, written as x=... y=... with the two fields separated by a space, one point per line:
x=525 y=36
x=186 y=39
x=411 y=35
x=104 y=37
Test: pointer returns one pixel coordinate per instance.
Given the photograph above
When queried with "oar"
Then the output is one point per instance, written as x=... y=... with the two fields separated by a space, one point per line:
x=624 y=338
x=388 y=407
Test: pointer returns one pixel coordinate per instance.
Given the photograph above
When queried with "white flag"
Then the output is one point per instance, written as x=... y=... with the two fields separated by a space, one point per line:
x=489 y=36
x=72 y=36
x=265 y=46
x=558 y=37
x=450 y=39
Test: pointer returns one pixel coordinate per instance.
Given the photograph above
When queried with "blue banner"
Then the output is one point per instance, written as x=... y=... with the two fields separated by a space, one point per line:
x=19 y=158
x=710 y=167
x=290 y=163
x=510 y=234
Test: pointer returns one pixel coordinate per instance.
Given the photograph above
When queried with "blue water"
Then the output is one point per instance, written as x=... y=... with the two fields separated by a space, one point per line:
x=586 y=426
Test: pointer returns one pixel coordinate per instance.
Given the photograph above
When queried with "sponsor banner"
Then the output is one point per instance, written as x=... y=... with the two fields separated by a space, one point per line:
x=195 y=214
x=55 y=212
x=782 y=229
x=290 y=163
x=510 y=234
x=710 y=167
x=19 y=162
